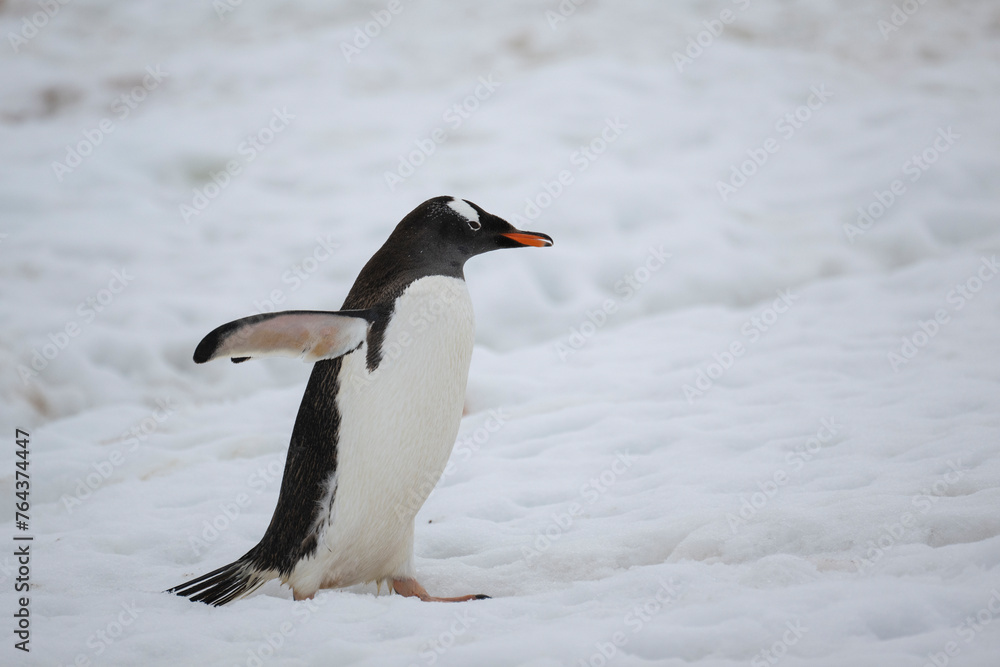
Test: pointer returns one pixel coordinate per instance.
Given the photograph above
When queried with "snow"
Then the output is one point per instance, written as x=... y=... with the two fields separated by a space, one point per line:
x=711 y=425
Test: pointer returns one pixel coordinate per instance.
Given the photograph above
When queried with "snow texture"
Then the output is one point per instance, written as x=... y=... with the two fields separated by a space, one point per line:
x=744 y=411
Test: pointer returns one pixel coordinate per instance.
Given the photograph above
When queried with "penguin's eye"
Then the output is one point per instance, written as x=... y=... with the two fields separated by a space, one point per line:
x=467 y=211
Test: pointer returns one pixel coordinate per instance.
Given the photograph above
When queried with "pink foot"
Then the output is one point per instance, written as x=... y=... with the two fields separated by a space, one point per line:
x=410 y=588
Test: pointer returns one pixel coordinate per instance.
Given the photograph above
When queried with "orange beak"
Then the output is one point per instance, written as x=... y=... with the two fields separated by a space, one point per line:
x=533 y=239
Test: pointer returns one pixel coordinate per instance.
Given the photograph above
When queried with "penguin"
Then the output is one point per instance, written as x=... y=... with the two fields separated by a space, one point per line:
x=380 y=413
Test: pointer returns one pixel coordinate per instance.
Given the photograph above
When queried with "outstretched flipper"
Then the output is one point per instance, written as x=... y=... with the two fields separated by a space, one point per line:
x=311 y=335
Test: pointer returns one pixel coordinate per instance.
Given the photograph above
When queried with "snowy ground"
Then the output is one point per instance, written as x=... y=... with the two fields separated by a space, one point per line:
x=714 y=424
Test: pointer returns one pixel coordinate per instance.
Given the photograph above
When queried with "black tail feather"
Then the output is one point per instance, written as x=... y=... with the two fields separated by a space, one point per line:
x=225 y=584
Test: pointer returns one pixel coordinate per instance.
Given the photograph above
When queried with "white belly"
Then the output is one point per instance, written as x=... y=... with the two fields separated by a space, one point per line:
x=398 y=426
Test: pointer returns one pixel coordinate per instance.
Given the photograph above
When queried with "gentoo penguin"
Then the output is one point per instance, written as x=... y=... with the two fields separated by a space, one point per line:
x=380 y=413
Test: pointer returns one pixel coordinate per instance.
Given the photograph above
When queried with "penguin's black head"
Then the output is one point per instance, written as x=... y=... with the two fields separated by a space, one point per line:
x=449 y=231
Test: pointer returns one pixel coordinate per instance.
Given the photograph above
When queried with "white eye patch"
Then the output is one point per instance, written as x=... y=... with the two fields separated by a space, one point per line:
x=464 y=209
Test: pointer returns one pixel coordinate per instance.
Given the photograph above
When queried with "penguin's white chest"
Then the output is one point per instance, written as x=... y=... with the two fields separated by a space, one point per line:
x=398 y=426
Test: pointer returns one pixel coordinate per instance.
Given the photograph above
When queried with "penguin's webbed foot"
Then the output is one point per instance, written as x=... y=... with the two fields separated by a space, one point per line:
x=411 y=588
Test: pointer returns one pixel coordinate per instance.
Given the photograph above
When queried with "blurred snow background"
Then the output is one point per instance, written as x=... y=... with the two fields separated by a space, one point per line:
x=728 y=418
